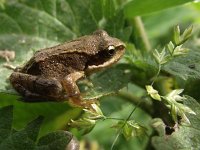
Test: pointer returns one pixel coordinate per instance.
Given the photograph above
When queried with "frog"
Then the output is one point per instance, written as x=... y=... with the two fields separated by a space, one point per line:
x=52 y=73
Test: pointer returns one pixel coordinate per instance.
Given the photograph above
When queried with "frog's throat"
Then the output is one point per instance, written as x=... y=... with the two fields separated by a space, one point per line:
x=106 y=64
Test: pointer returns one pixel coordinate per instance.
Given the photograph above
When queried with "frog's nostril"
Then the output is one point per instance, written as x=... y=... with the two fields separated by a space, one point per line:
x=121 y=47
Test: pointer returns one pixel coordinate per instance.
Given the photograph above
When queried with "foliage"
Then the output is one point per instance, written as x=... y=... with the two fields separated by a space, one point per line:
x=27 y=138
x=162 y=72
x=186 y=137
x=130 y=129
x=173 y=98
x=142 y=8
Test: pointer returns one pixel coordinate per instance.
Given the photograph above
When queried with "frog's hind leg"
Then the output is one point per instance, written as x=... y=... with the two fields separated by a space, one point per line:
x=36 y=88
x=29 y=96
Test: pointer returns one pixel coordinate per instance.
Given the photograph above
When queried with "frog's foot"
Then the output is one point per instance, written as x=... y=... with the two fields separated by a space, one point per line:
x=90 y=103
x=79 y=102
x=9 y=66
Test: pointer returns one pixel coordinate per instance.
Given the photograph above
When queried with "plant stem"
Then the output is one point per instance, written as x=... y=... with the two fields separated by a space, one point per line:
x=140 y=34
x=159 y=69
x=145 y=105
x=119 y=131
x=112 y=118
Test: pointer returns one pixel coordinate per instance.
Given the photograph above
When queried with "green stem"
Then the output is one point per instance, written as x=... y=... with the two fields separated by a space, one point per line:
x=112 y=118
x=159 y=69
x=145 y=105
x=120 y=130
x=140 y=34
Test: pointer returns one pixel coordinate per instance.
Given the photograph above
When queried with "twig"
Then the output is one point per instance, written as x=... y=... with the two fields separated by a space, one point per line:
x=140 y=34
x=120 y=130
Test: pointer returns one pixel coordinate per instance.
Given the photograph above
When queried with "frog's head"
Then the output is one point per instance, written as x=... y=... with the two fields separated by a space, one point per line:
x=110 y=50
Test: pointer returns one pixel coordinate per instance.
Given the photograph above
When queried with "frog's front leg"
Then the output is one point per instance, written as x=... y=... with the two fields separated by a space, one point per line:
x=71 y=88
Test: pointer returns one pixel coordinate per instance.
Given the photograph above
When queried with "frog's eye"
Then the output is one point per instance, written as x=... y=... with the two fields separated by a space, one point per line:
x=111 y=50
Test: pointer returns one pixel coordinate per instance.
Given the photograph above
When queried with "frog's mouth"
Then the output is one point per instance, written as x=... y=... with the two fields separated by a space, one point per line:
x=105 y=59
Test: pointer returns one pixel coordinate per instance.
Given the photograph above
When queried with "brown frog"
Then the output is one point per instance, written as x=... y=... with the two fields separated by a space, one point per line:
x=51 y=74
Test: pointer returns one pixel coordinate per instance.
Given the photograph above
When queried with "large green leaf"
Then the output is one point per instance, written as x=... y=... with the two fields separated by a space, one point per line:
x=57 y=115
x=184 y=137
x=185 y=67
x=55 y=141
x=26 y=138
x=6 y=122
x=108 y=81
x=138 y=7
x=159 y=24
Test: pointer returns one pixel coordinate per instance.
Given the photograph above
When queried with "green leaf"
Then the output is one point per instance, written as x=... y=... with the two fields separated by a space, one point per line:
x=2 y=3
x=94 y=112
x=32 y=129
x=170 y=47
x=174 y=112
x=84 y=125
x=131 y=129
x=187 y=33
x=180 y=51
x=153 y=93
x=173 y=100
x=88 y=119
x=107 y=82
x=26 y=138
x=138 y=7
x=55 y=141
x=184 y=137
x=5 y=122
x=194 y=105
x=177 y=35
x=180 y=66
x=156 y=55
x=109 y=8
x=175 y=95
x=180 y=39
x=162 y=57
x=23 y=139
x=57 y=115
x=167 y=19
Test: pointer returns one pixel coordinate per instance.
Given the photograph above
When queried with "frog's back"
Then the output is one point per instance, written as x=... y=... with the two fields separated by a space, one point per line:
x=57 y=65
x=86 y=44
x=66 y=57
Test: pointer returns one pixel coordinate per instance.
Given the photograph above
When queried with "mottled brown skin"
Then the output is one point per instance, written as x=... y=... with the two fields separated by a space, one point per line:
x=51 y=74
